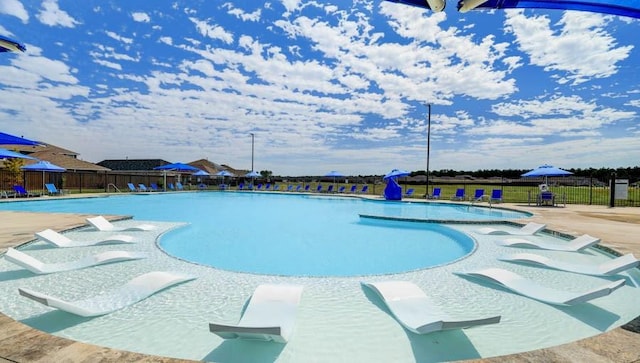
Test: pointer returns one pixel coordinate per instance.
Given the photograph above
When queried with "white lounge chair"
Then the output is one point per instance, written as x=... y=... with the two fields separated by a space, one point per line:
x=531 y=289
x=607 y=268
x=137 y=289
x=52 y=237
x=576 y=244
x=416 y=312
x=270 y=315
x=529 y=229
x=38 y=267
x=102 y=224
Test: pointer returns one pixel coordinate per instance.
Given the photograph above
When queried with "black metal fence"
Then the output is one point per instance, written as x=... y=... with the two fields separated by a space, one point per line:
x=572 y=190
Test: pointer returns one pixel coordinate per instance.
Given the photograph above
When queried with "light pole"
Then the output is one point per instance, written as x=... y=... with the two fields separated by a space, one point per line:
x=252 y=138
x=428 y=145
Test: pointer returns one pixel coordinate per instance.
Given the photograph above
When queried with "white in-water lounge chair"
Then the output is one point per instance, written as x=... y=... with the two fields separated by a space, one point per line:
x=137 y=289
x=576 y=244
x=102 y=224
x=270 y=315
x=52 y=237
x=529 y=229
x=416 y=312
x=38 y=267
x=607 y=268
x=531 y=289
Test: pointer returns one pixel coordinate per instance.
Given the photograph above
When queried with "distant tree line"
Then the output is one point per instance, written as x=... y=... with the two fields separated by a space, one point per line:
x=631 y=173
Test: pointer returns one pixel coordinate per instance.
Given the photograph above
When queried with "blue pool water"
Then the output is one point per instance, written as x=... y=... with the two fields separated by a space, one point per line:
x=291 y=234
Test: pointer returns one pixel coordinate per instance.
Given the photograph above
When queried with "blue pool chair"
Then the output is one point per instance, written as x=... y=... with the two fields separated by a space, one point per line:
x=267 y=187
x=353 y=189
x=240 y=186
x=259 y=187
x=170 y=186
x=365 y=189
x=154 y=187
x=298 y=188
x=496 y=196
x=479 y=194
x=52 y=190
x=435 y=194
x=21 y=192
x=409 y=192
x=330 y=189
x=341 y=189
x=459 y=194
x=306 y=188
x=276 y=187
x=142 y=187
x=319 y=188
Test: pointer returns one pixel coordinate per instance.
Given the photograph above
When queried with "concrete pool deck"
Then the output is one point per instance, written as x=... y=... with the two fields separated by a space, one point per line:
x=617 y=227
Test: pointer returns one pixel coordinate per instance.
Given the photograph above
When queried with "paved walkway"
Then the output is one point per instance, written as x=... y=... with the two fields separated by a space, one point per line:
x=618 y=228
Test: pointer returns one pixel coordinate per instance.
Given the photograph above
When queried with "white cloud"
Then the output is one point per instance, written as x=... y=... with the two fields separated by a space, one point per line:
x=141 y=17
x=14 y=8
x=212 y=31
x=50 y=14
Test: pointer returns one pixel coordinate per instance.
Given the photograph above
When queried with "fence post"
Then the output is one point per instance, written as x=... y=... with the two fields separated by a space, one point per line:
x=612 y=190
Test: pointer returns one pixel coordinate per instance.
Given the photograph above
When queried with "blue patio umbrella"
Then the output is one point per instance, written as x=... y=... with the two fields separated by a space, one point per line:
x=179 y=167
x=224 y=173
x=8 y=154
x=201 y=173
x=6 y=139
x=396 y=173
x=43 y=166
x=546 y=171
x=334 y=174
x=10 y=45
x=252 y=174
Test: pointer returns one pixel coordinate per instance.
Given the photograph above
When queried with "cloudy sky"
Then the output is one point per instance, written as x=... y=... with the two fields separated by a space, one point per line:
x=323 y=84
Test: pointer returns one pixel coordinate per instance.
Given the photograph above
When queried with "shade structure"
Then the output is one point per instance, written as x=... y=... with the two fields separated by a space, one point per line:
x=396 y=173
x=546 y=171
x=334 y=174
x=6 y=139
x=252 y=174
x=201 y=173
x=10 y=45
x=8 y=154
x=224 y=173
x=630 y=8
x=177 y=167
x=43 y=166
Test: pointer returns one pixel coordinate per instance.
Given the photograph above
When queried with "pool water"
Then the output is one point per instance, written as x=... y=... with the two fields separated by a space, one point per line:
x=337 y=320
x=260 y=232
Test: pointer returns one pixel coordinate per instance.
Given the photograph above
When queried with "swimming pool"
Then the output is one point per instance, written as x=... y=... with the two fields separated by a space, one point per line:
x=337 y=320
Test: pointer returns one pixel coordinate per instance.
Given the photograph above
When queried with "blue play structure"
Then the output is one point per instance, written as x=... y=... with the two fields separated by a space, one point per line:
x=393 y=191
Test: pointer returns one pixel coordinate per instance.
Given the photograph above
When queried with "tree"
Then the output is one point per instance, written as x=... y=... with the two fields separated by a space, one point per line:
x=266 y=173
x=14 y=167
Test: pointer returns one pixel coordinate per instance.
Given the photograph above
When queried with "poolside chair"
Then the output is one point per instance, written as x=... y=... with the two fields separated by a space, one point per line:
x=459 y=194
x=276 y=187
x=414 y=310
x=353 y=189
x=154 y=187
x=54 y=238
x=529 y=229
x=132 y=188
x=21 y=192
x=52 y=190
x=137 y=289
x=330 y=188
x=171 y=186
x=496 y=196
x=319 y=188
x=267 y=187
x=259 y=187
x=290 y=188
x=306 y=187
x=270 y=315
x=179 y=186
x=341 y=189
x=546 y=198
x=365 y=189
x=435 y=194
x=38 y=267
x=533 y=290
x=143 y=188
x=608 y=268
x=102 y=224
x=241 y=186
x=409 y=193
x=298 y=188
x=478 y=195
x=575 y=245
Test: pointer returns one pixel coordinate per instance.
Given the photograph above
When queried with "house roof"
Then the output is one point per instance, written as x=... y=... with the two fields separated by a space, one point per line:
x=132 y=164
x=55 y=155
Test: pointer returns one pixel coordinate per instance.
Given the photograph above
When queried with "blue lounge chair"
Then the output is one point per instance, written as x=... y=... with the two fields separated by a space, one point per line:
x=319 y=188
x=132 y=188
x=546 y=198
x=435 y=194
x=259 y=187
x=298 y=188
x=409 y=192
x=479 y=194
x=353 y=189
x=52 y=190
x=240 y=186
x=365 y=189
x=143 y=188
x=276 y=187
x=306 y=188
x=171 y=187
x=179 y=186
x=154 y=187
x=290 y=188
x=21 y=192
x=330 y=189
x=459 y=194
x=341 y=189
x=267 y=187
x=496 y=196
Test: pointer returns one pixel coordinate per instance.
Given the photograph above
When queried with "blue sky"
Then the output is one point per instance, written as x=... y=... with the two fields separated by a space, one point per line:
x=323 y=85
